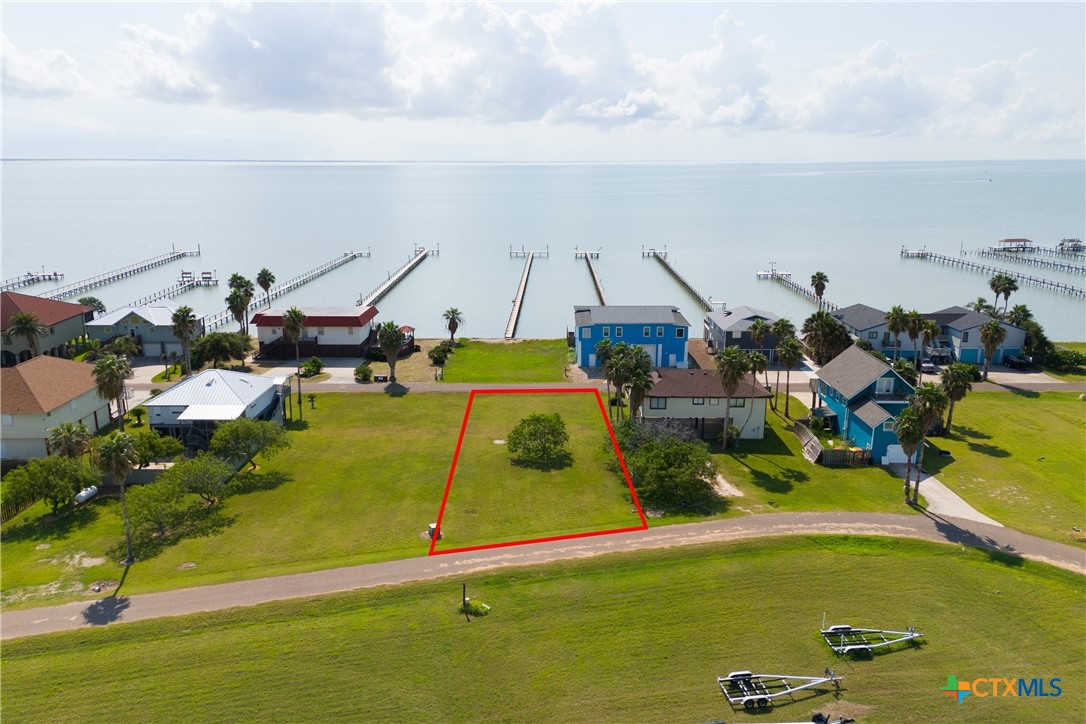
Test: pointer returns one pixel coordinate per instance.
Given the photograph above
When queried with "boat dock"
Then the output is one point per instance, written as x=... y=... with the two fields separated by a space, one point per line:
x=523 y=253
x=807 y=293
x=394 y=278
x=967 y=265
x=72 y=290
x=661 y=257
x=187 y=281
x=213 y=321
x=588 y=256
x=1018 y=258
x=29 y=278
x=514 y=315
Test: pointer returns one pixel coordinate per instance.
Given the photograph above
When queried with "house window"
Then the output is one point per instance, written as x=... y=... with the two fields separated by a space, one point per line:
x=320 y=331
x=872 y=335
x=150 y=330
x=655 y=403
x=738 y=402
x=72 y=405
x=888 y=426
x=659 y=331
x=618 y=331
x=680 y=333
x=965 y=336
x=109 y=330
x=714 y=400
x=606 y=332
x=350 y=330
x=52 y=330
x=586 y=333
x=134 y=320
x=8 y=420
x=646 y=332
x=699 y=400
x=884 y=386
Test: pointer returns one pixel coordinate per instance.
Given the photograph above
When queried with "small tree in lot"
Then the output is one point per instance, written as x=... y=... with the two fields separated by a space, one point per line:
x=155 y=509
x=204 y=475
x=538 y=439
x=241 y=439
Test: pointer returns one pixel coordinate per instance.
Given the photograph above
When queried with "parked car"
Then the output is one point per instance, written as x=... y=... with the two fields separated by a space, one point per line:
x=86 y=494
x=927 y=367
x=1017 y=362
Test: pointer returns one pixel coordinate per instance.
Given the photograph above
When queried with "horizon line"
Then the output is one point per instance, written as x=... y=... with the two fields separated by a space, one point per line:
x=523 y=162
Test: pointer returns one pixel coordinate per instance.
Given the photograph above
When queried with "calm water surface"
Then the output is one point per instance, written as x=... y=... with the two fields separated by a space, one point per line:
x=719 y=223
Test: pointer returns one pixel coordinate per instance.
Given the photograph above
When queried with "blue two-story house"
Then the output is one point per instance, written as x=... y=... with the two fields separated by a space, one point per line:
x=662 y=331
x=864 y=396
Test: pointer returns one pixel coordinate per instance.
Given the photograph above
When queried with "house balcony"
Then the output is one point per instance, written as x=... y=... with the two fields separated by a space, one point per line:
x=889 y=397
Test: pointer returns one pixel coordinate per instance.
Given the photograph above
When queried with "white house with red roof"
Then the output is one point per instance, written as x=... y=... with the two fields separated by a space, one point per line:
x=328 y=332
x=63 y=321
x=41 y=393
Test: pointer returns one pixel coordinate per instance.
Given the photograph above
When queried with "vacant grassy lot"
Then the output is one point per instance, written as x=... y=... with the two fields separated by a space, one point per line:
x=625 y=637
x=1075 y=374
x=1019 y=459
x=362 y=480
x=494 y=500
x=530 y=360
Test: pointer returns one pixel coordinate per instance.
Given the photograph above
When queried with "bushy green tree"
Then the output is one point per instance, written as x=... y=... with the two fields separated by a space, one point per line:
x=219 y=347
x=54 y=479
x=156 y=509
x=204 y=475
x=671 y=473
x=538 y=438
x=240 y=440
x=151 y=446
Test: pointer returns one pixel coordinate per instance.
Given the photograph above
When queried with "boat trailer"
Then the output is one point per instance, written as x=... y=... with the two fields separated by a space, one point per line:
x=846 y=640
x=756 y=690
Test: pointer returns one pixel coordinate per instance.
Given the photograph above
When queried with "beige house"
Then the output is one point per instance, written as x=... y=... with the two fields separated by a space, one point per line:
x=698 y=397
x=38 y=395
x=63 y=322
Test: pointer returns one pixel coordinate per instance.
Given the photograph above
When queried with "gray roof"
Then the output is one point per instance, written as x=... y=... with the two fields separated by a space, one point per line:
x=215 y=388
x=673 y=382
x=860 y=316
x=158 y=313
x=740 y=318
x=851 y=371
x=870 y=412
x=959 y=318
x=628 y=315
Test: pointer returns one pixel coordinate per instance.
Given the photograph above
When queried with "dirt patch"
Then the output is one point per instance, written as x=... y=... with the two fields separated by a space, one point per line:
x=91 y=562
x=186 y=566
x=41 y=546
x=499 y=441
x=726 y=489
x=654 y=512
x=103 y=586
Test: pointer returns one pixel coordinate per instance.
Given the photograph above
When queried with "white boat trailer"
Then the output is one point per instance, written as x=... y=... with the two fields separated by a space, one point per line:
x=756 y=690
x=846 y=640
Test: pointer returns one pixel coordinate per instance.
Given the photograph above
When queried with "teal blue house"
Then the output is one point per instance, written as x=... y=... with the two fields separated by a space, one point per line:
x=862 y=397
x=660 y=330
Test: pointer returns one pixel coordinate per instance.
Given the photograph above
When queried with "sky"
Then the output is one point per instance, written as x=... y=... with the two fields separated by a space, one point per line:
x=544 y=82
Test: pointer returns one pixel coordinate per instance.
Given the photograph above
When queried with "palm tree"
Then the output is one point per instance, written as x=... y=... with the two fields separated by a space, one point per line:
x=897 y=320
x=616 y=369
x=1019 y=315
x=929 y=330
x=124 y=346
x=245 y=291
x=604 y=349
x=758 y=331
x=265 y=279
x=819 y=280
x=110 y=372
x=94 y=303
x=1010 y=286
x=640 y=382
x=185 y=325
x=909 y=433
x=789 y=352
x=930 y=402
x=783 y=329
x=69 y=439
x=454 y=320
x=981 y=305
x=29 y=326
x=992 y=334
x=956 y=380
x=293 y=325
x=825 y=336
x=116 y=455
x=237 y=305
x=390 y=338
x=914 y=324
x=732 y=364
x=759 y=363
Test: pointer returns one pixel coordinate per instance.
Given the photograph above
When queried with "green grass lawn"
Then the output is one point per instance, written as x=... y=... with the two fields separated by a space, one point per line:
x=359 y=484
x=618 y=638
x=530 y=360
x=1019 y=458
x=493 y=500
x=1075 y=374
x=172 y=374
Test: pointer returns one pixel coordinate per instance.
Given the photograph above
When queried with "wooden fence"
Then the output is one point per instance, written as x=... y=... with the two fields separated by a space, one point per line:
x=816 y=453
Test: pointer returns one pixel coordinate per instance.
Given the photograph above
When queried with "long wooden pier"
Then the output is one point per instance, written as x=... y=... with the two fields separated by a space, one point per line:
x=29 y=278
x=1019 y=258
x=394 y=278
x=188 y=281
x=807 y=293
x=698 y=296
x=213 y=321
x=72 y=290
x=514 y=315
x=967 y=265
x=588 y=256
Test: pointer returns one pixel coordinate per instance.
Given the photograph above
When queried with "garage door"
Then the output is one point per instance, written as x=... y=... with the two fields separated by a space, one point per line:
x=651 y=349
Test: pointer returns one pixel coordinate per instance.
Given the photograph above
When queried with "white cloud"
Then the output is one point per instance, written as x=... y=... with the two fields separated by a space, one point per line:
x=39 y=73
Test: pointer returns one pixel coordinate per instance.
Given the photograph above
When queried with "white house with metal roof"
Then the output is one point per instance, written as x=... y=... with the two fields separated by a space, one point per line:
x=191 y=410
x=150 y=324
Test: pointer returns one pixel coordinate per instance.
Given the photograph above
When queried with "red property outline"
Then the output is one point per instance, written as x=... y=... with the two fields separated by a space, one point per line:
x=456 y=456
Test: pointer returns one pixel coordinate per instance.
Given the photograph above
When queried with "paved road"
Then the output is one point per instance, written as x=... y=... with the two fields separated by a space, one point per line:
x=121 y=608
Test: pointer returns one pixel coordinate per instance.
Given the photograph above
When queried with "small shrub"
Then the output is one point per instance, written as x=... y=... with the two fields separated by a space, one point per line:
x=376 y=354
x=363 y=373
x=474 y=608
x=156 y=392
x=1065 y=359
x=438 y=356
x=312 y=366
x=975 y=373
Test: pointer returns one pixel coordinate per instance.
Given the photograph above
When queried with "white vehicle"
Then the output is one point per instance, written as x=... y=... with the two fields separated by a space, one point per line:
x=86 y=494
x=927 y=367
